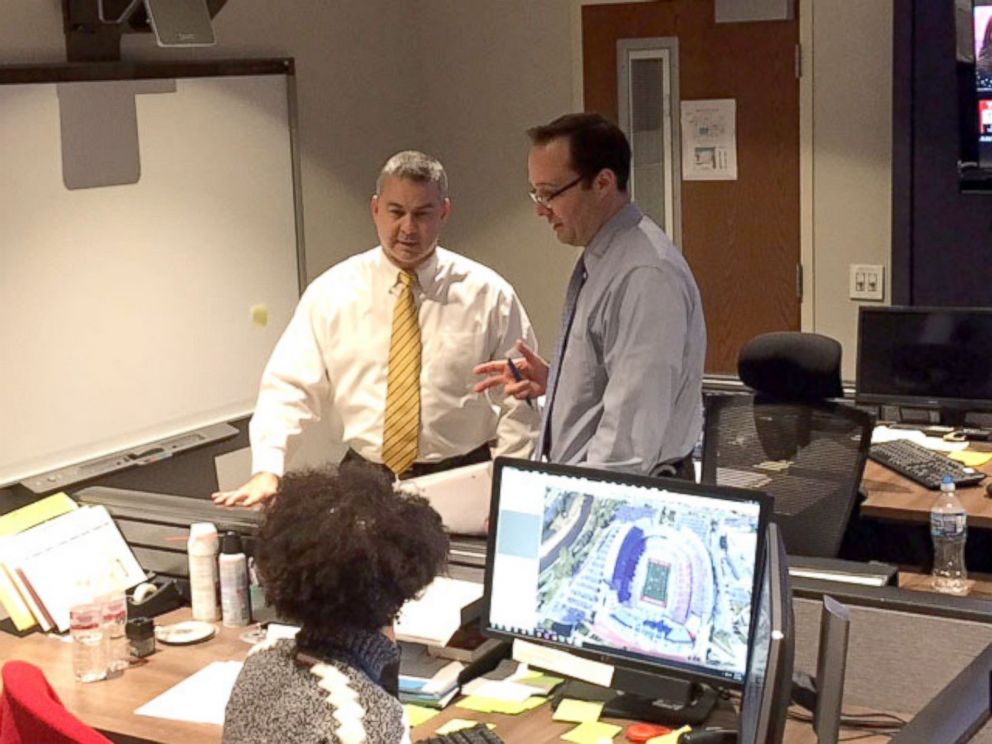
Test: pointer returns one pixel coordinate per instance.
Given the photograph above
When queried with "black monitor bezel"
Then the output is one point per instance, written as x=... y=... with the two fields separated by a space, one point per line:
x=619 y=660
x=949 y=404
x=768 y=712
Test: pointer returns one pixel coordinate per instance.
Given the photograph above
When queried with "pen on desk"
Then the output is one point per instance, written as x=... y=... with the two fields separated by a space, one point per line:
x=518 y=377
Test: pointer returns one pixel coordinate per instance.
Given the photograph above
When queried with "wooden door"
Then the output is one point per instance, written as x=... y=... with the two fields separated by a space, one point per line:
x=741 y=237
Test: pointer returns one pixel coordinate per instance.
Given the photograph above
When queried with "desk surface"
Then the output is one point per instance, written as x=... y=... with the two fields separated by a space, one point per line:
x=109 y=705
x=537 y=727
x=893 y=497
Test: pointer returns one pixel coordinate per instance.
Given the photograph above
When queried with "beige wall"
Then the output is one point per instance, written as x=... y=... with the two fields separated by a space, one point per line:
x=479 y=56
x=464 y=78
x=849 y=194
x=491 y=73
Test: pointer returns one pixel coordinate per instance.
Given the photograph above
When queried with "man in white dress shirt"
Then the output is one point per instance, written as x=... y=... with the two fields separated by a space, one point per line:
x=336 y=348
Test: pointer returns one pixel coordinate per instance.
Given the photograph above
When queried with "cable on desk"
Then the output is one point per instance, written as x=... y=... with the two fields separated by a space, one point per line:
x=878 y=722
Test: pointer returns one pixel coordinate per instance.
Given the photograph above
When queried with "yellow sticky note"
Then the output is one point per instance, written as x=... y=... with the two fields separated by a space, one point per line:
x=592 y=732
x=36 y=513
x=495 y=705
x=533 y=701
x=260 y=315
x=970 y=458
x=417 y=714
x=672 y=738
x=479 y=704
x=577 y=711
x=457 y=724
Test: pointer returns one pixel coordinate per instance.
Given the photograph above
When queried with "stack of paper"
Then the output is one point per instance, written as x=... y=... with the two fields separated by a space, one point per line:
x=41 y=566
x=12 y=604
x=425 y=679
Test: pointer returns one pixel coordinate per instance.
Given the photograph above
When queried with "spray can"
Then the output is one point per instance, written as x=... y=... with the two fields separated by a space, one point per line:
x=202 y=549
x=233 y=581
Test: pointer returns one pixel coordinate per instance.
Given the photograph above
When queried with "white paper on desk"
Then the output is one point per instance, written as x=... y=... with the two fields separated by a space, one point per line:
x=200 y=698
x=888 y=434
x=555 y=660
x=434 y=617
x=501 y=689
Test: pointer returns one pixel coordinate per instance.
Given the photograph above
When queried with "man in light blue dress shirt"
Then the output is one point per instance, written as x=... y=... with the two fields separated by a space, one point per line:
x=624 y=387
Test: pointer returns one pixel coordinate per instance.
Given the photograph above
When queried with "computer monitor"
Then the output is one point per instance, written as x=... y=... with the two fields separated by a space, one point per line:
x=768 y=682
x=973 y=28
x=927 y=358
x=656 y=577
x=982 y=28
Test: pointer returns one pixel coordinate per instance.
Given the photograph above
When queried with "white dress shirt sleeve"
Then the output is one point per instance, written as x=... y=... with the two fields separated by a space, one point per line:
x=294 y=385
x=516 y=430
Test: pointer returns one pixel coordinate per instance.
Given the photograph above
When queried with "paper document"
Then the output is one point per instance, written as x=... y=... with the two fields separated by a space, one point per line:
x=434 y=617
x=500 y=689
x=888 y=434
x=36 y=513
x=970 y=458
x=593 y=732
x=709 y=140
x=563 y=662
x=461 y=496
x=200 y=698
x=47 y=561
x=577 y=711
x=12 y=604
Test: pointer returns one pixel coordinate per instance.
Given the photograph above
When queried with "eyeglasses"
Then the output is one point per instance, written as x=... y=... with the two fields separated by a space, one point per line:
x=544 y=200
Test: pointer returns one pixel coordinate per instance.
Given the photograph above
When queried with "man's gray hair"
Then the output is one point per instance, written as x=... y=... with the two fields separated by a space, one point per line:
x=415 y=166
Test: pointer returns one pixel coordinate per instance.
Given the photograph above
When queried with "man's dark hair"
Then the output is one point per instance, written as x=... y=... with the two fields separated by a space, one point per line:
x=594 y=143
x=341 y=549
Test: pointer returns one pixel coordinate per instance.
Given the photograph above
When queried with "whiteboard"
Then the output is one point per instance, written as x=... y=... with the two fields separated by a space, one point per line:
x=137 y=311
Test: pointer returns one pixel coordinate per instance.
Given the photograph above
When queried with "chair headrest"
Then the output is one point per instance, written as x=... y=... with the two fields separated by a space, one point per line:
x=792 y=366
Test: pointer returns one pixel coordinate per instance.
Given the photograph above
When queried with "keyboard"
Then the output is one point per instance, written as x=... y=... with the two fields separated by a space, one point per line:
x=922 y=465
x=478 y=734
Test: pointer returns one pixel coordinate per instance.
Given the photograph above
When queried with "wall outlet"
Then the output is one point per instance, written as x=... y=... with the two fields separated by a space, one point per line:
x=867 y=282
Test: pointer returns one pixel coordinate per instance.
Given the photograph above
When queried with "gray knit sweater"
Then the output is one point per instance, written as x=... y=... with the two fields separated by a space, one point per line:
x=282 y=696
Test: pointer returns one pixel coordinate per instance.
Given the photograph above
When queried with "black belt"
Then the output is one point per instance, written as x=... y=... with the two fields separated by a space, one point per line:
x=479 y=454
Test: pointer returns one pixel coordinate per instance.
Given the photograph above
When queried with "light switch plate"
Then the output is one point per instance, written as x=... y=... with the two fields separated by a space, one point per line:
x=867 y=282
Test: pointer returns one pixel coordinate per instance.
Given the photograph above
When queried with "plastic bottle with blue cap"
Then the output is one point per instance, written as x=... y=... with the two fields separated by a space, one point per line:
x=949 y=531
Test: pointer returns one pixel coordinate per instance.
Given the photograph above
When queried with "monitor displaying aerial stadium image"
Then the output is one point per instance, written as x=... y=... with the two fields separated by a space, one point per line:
x=656 y=572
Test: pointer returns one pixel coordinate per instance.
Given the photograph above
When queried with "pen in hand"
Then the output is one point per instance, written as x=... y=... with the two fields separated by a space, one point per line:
x=518 y=377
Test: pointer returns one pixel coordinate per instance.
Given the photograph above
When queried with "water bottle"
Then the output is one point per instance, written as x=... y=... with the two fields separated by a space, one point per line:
x=114 y=608
x=949 y=530
x=89 y=641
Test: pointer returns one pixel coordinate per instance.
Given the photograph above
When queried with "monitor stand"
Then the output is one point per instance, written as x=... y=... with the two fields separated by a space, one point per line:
x=677 y=702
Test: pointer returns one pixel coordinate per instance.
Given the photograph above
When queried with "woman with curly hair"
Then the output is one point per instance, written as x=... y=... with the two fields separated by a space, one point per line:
x=339 y=553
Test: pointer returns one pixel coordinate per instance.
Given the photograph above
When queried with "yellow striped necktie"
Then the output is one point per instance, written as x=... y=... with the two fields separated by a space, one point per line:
x=399 y=437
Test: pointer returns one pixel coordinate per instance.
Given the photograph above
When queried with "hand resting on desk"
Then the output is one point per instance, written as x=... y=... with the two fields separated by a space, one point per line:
x=261 y=488
x=533 y=370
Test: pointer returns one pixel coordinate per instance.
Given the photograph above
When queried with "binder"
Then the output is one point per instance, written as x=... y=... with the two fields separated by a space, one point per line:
x=12 y=523
x=46 y=561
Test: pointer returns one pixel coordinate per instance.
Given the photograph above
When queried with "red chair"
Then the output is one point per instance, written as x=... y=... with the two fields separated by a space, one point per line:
x=31 y=712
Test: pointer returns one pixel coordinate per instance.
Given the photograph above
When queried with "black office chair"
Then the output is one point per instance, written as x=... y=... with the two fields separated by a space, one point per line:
x=787 y=439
